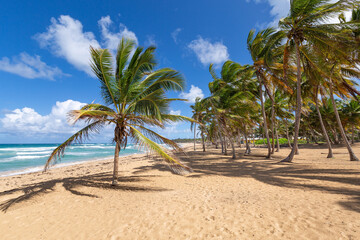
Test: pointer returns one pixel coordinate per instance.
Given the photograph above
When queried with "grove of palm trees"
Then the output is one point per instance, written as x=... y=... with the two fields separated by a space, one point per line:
x=302 y=84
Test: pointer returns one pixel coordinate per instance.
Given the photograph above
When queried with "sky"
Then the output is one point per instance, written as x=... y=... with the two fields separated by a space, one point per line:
x=44 y=57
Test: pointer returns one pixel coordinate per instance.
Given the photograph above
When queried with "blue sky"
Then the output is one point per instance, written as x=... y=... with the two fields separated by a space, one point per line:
x=44 y=57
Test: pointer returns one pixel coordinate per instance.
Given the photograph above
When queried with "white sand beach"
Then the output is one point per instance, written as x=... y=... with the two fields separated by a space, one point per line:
x=247 y=198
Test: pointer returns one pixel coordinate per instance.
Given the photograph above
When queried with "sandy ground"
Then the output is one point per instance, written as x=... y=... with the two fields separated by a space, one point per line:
x=246 y=198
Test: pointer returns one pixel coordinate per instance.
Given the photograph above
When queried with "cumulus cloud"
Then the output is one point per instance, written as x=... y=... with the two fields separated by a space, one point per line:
x=208 y=52
x=65 y=38
x=175 y=112
x=192 y=94
x=111 y=40
x=28 y=121
x=31 y=67
x=175 y=34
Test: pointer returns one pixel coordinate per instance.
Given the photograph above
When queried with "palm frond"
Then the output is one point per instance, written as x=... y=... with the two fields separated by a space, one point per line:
x=78 y=137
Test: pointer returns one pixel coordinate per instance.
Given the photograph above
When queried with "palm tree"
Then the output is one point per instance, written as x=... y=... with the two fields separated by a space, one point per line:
x=351 y=112
x=134 y=97
x=198 y=110
x=258 y=47
x=305 y=24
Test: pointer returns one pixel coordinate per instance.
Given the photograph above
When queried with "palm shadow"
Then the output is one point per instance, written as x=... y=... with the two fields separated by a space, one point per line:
x=272 y=172
x=71 y=184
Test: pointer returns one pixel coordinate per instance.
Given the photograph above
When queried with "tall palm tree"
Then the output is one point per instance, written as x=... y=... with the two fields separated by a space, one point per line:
x=258 y=46
x=198 y=110
x=134 y=97
x=305 y=24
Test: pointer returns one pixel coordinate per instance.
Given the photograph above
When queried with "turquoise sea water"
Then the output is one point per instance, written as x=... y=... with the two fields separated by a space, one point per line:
x=21 y=158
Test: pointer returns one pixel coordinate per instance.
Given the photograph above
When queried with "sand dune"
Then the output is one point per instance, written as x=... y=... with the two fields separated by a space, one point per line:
x=246 y=198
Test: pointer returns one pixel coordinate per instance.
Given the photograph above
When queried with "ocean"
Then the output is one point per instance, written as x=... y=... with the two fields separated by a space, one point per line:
x=24 y=158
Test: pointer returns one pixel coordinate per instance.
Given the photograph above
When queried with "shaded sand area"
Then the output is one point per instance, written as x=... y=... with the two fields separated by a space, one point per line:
x=247 y=198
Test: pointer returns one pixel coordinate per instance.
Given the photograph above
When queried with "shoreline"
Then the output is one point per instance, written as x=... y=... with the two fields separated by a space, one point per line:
x=36 y=169
x=39 y=168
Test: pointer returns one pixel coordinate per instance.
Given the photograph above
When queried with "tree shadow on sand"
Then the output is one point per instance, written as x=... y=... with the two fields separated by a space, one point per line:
x=71 y=184
x=272 y=172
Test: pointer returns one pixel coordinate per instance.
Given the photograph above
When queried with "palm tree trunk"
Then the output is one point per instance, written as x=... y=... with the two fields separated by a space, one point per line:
x=194 y=136
x=338 y=120
x=239 y=138
x=253 y=135
x=313 y=135
x=248 y=149
x=352 y=134
x=277 y=138
x=335 y=135
x=203 y=140
x=326 y=136
x=225 y=145
x=116 y=165
x=264 y=116
x=290 y=157
x=232 y=141
x=222 y=142
x=272 y=126
x=287 y=133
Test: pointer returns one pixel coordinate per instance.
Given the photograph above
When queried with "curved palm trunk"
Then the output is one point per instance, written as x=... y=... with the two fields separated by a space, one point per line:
x=352 y=134
x=264 y=117
x=326 y=136
x=290 y=157
x=116 y=164
x=338 y=120
x=194 y=136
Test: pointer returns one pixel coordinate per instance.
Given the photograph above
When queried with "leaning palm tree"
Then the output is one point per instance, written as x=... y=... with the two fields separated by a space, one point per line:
x=134 y=97
x=306 y=24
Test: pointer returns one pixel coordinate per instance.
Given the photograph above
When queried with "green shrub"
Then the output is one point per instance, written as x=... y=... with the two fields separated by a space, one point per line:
x=281 y=141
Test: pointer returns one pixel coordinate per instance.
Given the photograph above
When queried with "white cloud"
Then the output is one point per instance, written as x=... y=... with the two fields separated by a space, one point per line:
x=65 y=38
x=175 y=112
x=150 y=40
x=208 y=52
x=175 y=34
x=28 y=121
x=111 y=40
x=192 y=94
x=29 y=67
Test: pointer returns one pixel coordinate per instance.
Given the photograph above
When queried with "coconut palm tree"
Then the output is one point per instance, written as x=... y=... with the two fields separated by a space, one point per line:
x=134 y=97
x=351 y=113
x=305 y=24
x=198 y=110
x=258 y=46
